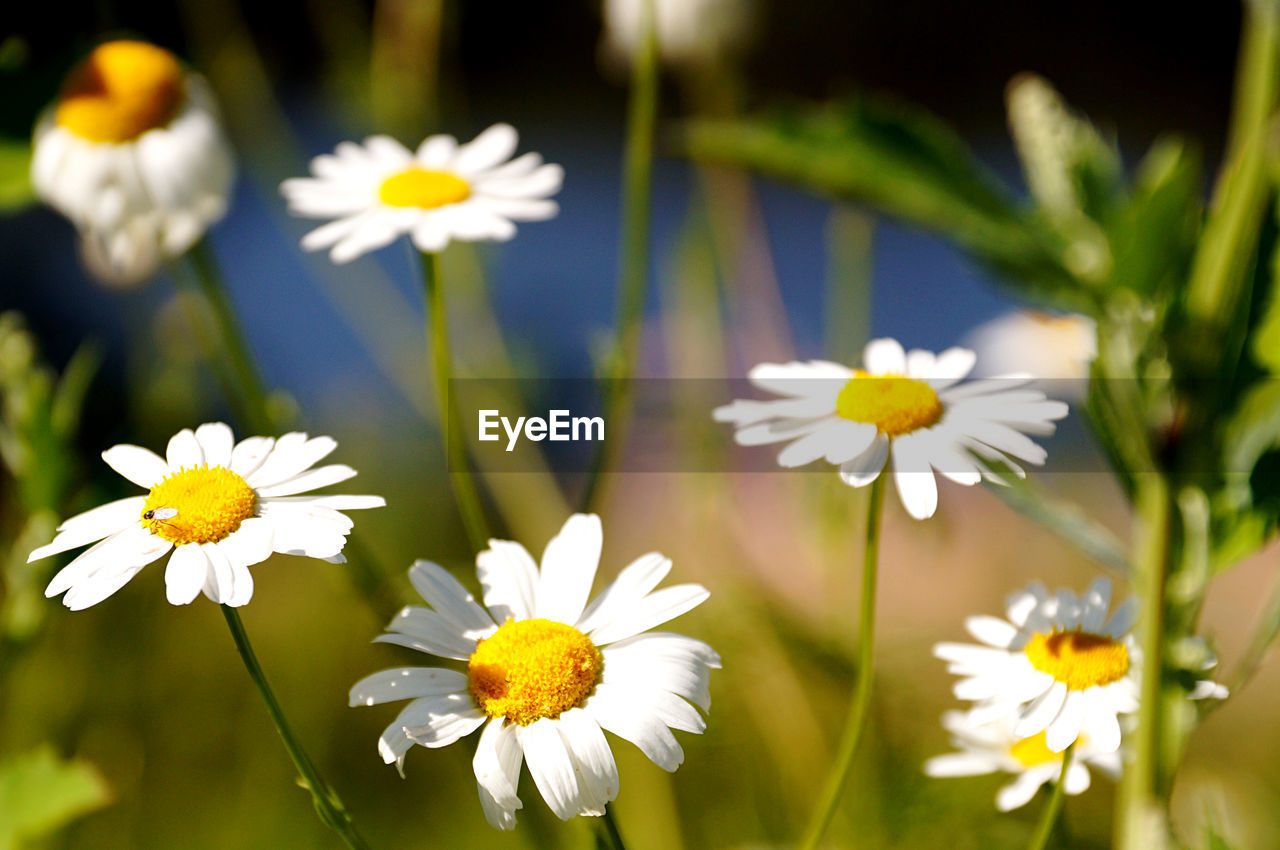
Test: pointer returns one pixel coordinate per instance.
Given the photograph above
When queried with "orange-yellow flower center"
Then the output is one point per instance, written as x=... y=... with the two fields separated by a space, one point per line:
x=1079 y=659
x=531 y=669
x=202 y=504
x=120 y=91
x=418 y=187
x=1034 y=750
x=895 y=404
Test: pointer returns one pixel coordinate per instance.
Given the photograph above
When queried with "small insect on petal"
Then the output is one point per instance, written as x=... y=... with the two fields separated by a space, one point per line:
x=161 y=513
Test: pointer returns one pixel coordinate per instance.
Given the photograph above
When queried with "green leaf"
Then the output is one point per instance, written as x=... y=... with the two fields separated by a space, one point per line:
x=15 y=175
x=1265 y=344
x=41 y=792
x=901 y=161
x=1248 y=507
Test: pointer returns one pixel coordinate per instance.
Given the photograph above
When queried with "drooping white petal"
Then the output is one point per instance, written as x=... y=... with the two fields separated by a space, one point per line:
x=92 y=525
x=497 y=767
x=185 y=575
x=130 y=549
x=593 y=762
x=916 y=485
x=551 y=766
x=866 y=467
x=1019 y=792
x=614 y=713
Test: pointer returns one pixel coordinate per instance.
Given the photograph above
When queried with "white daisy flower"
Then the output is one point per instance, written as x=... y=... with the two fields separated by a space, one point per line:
x=902 y=408
x=220 y=507
x=546 y=671
x=381 y=190
x=992 y=746
x=689 y=31
x=133 y=154
x=1058 y=664
x=1046 y=346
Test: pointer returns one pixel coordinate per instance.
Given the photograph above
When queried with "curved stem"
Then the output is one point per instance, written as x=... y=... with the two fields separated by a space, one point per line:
x=328 y=805
x=609 y=835
x=1049 y=817
x=834 y=788
x=633 y=273
x=460 y=477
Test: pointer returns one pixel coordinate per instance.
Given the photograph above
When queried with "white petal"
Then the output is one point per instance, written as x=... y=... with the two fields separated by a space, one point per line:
x=419 y=628
x=291 y=454
x=437 y=151
x=312 y=479
x=448 y=597
x=491 y=147
x=568 y=568
x=1122 y=620
x=816 y=377
x=445 y=718
x=917 y=487
x=653 y=610
x=405 y=683
x=249 y=454
x=185 y=575
x=1019 y=792
x=612 y=711
x=959 y=764
x=1077 y=779
x=551 y=767
x=991 y=630
x=593 y=762
x=509 y=576
x=184 y=451
x=497 y=767
x=884 y=357
x=1065 y=728
x=249 y=544
x=666 y=661
x=141 y=466
x=215 y=441
x=950 y=366
x=1040 y=713
x=92 y=525
x=1100 y=725
x=126 y=551
x=866 y=467
x=632 y=584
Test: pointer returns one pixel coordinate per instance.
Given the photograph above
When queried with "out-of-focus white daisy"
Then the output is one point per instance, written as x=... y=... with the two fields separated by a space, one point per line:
x=689 y=31
x=903 y=408
x=220 y=507
x=992 y=746
x=133 y=154
x=1054 y=349
x=381 y=190
x=1058 y=664
x=547 y=671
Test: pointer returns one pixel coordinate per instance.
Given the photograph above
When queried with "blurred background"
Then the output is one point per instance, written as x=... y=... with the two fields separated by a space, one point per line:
x=154 y=698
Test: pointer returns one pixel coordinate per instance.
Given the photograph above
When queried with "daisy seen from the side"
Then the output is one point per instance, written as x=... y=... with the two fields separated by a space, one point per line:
x=220 y=506
x=907 y=410
x=133 y=153
x=546 y=671
x=1058 y=664
x=991 y=746
x=380 y=190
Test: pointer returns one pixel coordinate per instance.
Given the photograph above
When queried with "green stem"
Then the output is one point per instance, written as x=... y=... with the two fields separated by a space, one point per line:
x=834 y=788
x=328 y=805
x=609 y=834
x=1049 y=817
x=451 y=433
x=1140 y=824
x=633 y=274
x=250 y=398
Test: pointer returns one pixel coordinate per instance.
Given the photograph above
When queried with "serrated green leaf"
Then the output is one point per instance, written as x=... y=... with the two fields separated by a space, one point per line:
x=15 y=175
x=41 y=792
x=902 y=161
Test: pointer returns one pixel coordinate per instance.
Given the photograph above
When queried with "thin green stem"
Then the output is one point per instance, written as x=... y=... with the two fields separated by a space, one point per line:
x=250 y=393
x=1140 y=824
x=451 y=433
x=839 y=776
x=328 y=805
x=633 y=273
x=1049 y=817
x=609 y=834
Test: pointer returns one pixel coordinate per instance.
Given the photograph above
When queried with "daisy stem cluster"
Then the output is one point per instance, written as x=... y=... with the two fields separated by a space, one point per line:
x=633 y=275
x=857 y=719
x=451 y=434
x=327 y=802
x=1049 y=817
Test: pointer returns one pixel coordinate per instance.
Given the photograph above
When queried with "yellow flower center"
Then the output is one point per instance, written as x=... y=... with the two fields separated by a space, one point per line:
x=1035 y=750
x=202 y=504
x=120 y=91
x=1079 y=659
x=531 y=669
x=895 y=404
x=418 y=187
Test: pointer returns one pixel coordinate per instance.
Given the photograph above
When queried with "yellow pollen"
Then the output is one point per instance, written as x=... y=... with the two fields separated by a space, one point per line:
x=1079 y=659
x=895 y=404
x=202 y=504
x=120 y=91
x=1035 y=750
x=418 y=187
x=531 y=669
